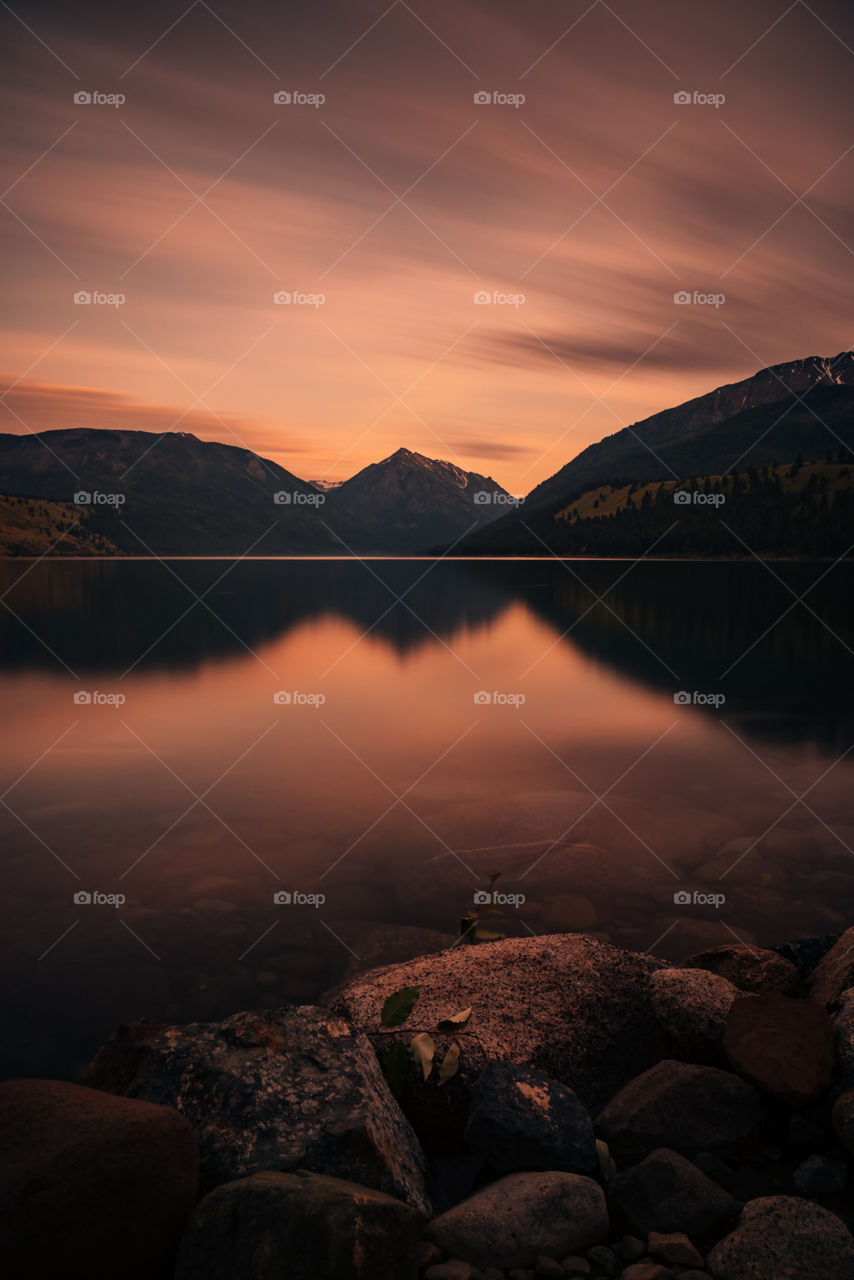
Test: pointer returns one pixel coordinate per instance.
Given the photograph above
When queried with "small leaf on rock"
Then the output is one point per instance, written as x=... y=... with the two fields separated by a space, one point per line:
x=399 y=1006
x=456 y=1022
x=450 y=1064
x=422 y=1049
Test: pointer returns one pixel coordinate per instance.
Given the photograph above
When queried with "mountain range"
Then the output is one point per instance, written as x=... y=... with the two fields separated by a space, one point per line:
x=101 y=492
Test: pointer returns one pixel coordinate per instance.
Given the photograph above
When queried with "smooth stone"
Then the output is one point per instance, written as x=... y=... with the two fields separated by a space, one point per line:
x=548 y=1269
x=302 y=1225
x=512 y=1222
x=784 y=1238
x=674 y=1249
x=667 y=1193
x=751 y=969
x=604 y=1259
x=783 y=1046
x=91 y=1186
x=453 y=1269
x=818 y=1177
x=521 y=1119
x=631 y=1248
x=691 y=1007
x=681 y=1106
x=646 y=1271
x=577 y=1266
x=835 y=973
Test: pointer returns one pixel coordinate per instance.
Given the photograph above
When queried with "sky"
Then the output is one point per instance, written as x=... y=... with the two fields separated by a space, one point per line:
x=494 y=282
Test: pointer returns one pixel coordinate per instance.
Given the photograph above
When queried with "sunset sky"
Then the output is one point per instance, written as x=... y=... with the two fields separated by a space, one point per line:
x=398 y=199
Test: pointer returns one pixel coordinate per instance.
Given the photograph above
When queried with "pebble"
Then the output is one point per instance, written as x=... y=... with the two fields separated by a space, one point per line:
x=820 y=1176
x=548 y=1269
x=453 y=1269
x=603 y=1258
x=576 y=1267
x=674 y=1248
x=631 y=1248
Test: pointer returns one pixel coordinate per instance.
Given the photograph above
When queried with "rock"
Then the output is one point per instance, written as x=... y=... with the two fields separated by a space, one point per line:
x=520 y=1119
x=274 y=1090
x=428 y=1255
x=835 y=973
x=570 y=1029
x=453 y=1269
x=674 y=1248
x=783 y=1046
x=646 y=1271
x=843 y=1120
x=691 y=1008
x=575 y=1266
x=751 y=969
x=604 y=1259
x=512 y=1222
x=303 y=1225
x=549 y=1269
x=784 y=1238
x=91 y=1185
x=666 y=1193
x=715 y=1168
x=682 y=1106
x=631 y=1248
x=807 y=953
x=820 y=1177
x=521 y=1274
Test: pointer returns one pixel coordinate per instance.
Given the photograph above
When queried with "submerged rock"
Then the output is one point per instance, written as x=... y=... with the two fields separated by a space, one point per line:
x=785 y=1238
x=302 y=1226
x=521 y=1119
x=276 y=1090
x=514 y=1221
x=91 y=1186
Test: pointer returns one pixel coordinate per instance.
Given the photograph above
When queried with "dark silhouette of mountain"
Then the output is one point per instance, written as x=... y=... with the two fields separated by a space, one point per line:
x=408 y=502
x=801 y=409
x=178 y=495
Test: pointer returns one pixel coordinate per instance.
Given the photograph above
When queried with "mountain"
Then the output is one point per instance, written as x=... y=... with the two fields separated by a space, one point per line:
x=631 y=453
x=800 y=409
x=168 y=492
x=410 y=503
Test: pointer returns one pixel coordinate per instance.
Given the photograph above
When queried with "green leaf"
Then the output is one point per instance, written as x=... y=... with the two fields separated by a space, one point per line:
x=495 y=875
x=395 y=1062
x=488 y=935
x=450 y=1064
x=399 y=1006
x=422 y=1049
x=456 y=1022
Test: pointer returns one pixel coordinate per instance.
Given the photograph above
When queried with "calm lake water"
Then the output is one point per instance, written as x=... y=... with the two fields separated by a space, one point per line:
x=374 y=739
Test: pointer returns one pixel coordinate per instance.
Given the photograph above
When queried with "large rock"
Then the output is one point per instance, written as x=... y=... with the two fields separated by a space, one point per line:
x=784 y=1238
x=280 y=1089
x=521 y=1119
x=512 y=1222
x=691 y=1008
x=835 y=973
x=666 y=1193
x=566 y=1004
x=91 y=1186
x=681 y=1106
x=751 y=969
x=843 y=1033
x=783 y=1046
x=303 y=1226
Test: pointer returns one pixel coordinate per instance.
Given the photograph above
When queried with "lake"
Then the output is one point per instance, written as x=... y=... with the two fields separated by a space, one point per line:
x=230 y=784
